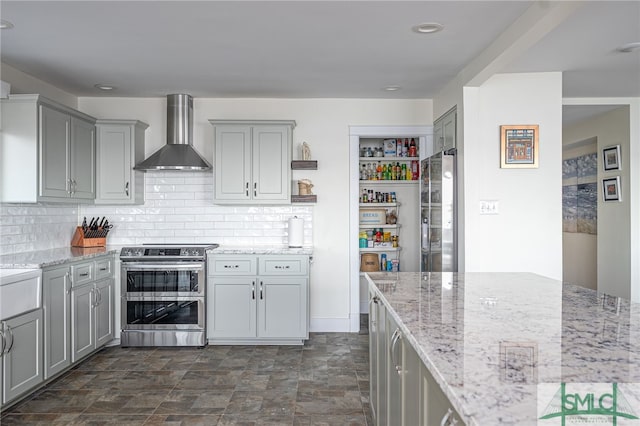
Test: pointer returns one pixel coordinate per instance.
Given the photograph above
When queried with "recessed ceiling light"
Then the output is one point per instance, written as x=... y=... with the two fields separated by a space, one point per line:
x=428 y=28
x=392 y=88
x=105 y=87
x=629 y=47
x=5 y=25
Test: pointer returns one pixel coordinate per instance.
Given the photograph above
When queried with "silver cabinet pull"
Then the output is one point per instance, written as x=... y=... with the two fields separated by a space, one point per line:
x=261 y=290
x=282 y=267
x=253 y=290
x=126 y=189
x=103 y=269
x=445 y=418
x=255 y=189
x=10 y=333
x=375 y=300
x=70 y=191
x=3 y=341
x=86 y=274
x=247 y=188
x=395 y=337
x=231 y=266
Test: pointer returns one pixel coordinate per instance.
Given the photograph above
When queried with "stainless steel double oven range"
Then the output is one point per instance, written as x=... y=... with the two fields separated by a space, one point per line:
x=164 y=295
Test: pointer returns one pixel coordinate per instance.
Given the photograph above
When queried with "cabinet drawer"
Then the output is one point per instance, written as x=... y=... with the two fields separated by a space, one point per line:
x=82 y=273
x=232 y=265
x=283 y=265
x=104 y=268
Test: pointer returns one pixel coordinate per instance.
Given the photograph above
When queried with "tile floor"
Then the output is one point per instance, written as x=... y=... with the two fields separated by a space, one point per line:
x=324 y=382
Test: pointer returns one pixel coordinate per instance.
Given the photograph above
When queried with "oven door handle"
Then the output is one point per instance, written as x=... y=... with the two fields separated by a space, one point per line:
x=162 y=266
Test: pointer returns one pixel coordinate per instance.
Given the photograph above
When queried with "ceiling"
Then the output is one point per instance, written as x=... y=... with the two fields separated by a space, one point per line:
x=304 y=49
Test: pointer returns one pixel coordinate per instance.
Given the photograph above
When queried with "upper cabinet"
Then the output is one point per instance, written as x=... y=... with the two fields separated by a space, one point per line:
x=120 y=146
x=252 y=161
x=48 y=152
x=444 y=131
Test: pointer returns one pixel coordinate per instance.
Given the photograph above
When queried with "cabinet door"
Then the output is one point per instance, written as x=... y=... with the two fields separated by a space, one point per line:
x=232 y=163
x=449 y=130
x=373 y=354
x=394 y=370
x=382 y=349
x=83 y=159
x=54 y=153
x=231 y=307
x=435 y=406
x=271 y=163
x=438 y=137
x=22 y=365
x=114 y=168
x=104 y=311
x=82 y=321
x=411 y=364
x=57 y=316
x=282 y=307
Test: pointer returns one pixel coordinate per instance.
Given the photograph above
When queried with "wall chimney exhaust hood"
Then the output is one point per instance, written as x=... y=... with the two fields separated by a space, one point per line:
x=178 y=153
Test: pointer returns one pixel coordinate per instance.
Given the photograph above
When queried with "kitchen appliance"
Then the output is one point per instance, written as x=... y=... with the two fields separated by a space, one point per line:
x=438 y=213
x=163 y=291
x=178 y=153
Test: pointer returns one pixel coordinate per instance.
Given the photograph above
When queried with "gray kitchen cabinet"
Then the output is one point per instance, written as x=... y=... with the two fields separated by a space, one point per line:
x=57 y=316
x=435 y=408
x=394 y=373
x=252 y=161
x=258 y=298
x=119 y=146
x=22 y=356
x=92 y=316
x=444 y=131
x=48 y=152
x=378 y=359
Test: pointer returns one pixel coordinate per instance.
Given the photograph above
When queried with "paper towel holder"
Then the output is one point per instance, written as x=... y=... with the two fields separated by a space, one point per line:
x=296 y=232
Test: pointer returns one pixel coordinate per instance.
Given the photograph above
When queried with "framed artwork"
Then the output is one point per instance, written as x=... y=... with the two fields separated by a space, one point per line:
x=611 y=158
x=611 y=189
x=519 y=146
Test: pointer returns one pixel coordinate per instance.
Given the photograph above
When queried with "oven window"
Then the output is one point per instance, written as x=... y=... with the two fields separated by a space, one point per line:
x=152 y=281
x=169 y=312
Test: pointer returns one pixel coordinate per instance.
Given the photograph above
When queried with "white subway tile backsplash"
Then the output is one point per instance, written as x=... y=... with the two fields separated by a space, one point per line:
x=178 y=209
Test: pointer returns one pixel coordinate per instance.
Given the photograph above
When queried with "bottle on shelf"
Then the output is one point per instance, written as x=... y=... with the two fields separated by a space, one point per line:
x=379 y=171
x=415 y=170
x=399 y=147
x=413 y=149
x=405 y=148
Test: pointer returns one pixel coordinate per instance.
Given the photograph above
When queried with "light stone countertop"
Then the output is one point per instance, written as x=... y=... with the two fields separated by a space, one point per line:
x=52 y=257
x=493 y=341
x=260 y=250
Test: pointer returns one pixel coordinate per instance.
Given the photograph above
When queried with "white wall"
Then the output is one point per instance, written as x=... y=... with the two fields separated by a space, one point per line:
x=614 y=219
x=527 y=233
x=324 y=125
x=22 y=83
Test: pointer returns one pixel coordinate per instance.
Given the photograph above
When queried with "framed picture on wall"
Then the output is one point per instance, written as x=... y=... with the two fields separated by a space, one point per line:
x=611 y=189
x=611 y=158
x=519 y=146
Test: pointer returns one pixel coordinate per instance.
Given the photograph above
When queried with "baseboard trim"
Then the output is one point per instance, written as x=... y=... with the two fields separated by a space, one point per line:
x=330 y=325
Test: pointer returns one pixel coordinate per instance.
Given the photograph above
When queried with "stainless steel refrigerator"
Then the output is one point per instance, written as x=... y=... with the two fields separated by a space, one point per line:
x=438 y=213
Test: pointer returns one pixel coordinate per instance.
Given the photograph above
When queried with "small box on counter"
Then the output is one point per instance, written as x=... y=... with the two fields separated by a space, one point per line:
x=389 y=147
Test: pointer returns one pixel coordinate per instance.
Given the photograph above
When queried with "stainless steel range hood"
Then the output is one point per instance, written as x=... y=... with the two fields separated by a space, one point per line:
x=178 y=153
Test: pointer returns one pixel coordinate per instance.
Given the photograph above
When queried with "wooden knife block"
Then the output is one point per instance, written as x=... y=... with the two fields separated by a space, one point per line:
x=79 y=240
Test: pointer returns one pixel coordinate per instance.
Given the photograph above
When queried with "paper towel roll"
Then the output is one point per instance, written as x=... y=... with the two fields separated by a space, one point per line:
x=296 y=231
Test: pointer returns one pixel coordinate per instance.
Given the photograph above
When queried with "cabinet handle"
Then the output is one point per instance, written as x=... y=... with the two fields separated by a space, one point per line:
x=375 y=300
x=126 y=189
x=86 y=274
x=282 y=267
x=247 y=188
x=94 y=302
x=445 y=418
x=69 y=191
x=261 y=290
x=4 y=342
x=395 y=337
x=255 y=189
x=103 y=269
x=253 y=290
x=10 y=333
x=231 y=266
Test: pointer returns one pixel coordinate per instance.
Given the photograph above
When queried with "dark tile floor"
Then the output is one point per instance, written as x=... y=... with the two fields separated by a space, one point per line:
x=324 y=382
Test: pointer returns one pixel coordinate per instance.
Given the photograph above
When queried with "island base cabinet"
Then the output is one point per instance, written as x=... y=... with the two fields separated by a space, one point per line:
x=22 y=360
x=435 y=406
x=378 y=360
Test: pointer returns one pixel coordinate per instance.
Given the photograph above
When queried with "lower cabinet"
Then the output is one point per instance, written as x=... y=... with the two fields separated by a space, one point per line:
x=91 y=317
x=402 y=390
x=254 y=298
x=22 y=354
x=57 y=316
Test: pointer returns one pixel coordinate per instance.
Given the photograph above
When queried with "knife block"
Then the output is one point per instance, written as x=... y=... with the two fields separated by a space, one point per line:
x=80 y=240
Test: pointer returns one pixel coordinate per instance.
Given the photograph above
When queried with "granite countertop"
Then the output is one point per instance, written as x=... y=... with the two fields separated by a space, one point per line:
x=500 y=344
x=260 y=250
x=51 y=257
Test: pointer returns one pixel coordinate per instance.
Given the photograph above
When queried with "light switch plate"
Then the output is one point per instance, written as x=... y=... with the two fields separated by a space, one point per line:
x=489 y=207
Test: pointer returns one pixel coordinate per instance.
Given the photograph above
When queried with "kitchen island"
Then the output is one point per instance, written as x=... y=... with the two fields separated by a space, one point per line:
x=499 y=345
